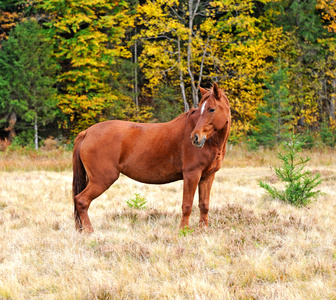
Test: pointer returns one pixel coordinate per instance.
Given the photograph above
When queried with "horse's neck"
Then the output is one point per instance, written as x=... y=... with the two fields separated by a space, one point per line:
x=185 y=121
x=191 y=117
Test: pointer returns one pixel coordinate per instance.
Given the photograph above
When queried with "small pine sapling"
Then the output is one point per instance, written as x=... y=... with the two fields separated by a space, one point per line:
x=185 y=231
x=299 y=184
x=139 y=202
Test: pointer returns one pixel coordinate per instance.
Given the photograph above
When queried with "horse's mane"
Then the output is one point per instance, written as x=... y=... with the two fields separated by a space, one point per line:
x=186 y=114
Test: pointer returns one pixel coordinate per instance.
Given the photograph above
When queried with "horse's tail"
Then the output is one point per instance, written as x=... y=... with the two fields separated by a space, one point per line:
x=79 y=174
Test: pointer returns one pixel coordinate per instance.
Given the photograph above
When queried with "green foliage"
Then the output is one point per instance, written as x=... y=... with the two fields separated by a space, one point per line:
x=27 y=72
x=124 y=107
x=24 y=139
x=328 y=135
x=140 y=61
x=167 y=106
x=309 y=139
x=306 y=54
x=299 y=184
x=139 y=202
x=273 y=116
x=298 y=17
x=87 y=37
x=185 y=231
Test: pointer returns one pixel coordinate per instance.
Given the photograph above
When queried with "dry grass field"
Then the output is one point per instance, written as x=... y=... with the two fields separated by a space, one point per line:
x=255 y=248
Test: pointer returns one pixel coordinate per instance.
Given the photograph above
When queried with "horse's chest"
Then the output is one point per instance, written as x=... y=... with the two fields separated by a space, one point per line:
x=215 y=163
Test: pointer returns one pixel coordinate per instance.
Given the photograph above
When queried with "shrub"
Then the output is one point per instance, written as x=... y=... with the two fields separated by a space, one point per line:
x=308 y=139
x=50 y=144
x=24 y=139
x=328 y=135
x=299 y=184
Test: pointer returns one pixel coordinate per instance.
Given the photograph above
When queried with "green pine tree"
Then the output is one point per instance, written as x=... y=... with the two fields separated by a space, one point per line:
x=306 y=56
x=273 y=116
x=27 y=75
x=299 y=184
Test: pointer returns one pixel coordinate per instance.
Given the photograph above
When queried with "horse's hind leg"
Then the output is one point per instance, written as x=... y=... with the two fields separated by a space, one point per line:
x=83 y=200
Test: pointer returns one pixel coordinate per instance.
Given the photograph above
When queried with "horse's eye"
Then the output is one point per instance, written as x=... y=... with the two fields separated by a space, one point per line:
x=211 y=110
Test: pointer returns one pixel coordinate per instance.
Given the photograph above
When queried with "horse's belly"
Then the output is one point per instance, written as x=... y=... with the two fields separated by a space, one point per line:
x=148 y=166
x=152 y=176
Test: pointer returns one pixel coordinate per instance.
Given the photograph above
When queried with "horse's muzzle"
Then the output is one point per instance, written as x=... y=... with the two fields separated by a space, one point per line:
x=197 y=142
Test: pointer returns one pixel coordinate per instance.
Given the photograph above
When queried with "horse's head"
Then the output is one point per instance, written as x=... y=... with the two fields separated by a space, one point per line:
x=214 y=115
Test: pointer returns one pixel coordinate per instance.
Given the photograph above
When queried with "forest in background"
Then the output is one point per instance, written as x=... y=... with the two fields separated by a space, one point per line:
x=68 y=64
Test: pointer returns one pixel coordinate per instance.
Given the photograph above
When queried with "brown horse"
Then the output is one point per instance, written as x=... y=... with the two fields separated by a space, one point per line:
x=190 y=147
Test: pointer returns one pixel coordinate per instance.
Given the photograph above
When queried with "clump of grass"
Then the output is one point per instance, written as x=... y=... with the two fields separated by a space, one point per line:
x=299 y=183
x=139 y=202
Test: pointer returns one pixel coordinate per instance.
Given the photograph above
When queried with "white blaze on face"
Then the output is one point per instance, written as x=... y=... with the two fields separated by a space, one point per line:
x=203 y=107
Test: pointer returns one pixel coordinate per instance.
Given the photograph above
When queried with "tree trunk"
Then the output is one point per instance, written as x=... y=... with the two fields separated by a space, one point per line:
x=201 y=67
x=136 y=77
x=36 y=133
x=332 y=111
x=186 y=105
x=190 y=69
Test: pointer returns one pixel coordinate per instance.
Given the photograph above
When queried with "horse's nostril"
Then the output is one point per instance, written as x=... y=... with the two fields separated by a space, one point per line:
x=196 y=138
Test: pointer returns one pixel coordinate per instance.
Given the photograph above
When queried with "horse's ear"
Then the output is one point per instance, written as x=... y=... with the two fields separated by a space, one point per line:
x=216 y=91
x=203 y=91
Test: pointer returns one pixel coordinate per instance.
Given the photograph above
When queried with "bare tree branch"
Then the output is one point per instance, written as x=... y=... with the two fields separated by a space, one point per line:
x=202 y=63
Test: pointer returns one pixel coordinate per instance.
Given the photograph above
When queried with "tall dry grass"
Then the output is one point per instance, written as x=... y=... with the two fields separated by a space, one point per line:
x=32 y=160
x=255 y=248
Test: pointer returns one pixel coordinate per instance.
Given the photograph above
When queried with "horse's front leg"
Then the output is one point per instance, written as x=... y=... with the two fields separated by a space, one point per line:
x=204 y=188
x=190 y=182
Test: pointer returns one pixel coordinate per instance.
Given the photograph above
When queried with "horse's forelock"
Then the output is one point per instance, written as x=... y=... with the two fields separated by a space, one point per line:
x=210 y=95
